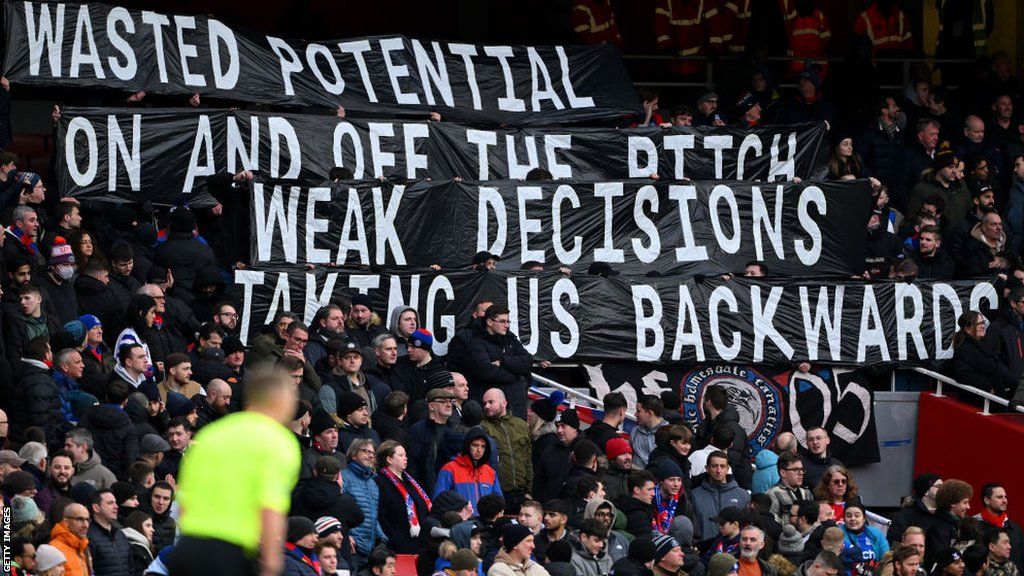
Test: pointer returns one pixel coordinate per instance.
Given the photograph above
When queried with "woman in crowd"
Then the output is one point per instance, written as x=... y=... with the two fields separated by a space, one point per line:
x=403 y=502
x=844 y=163
x=139 y=319
x=838 y=489
x=864 y=546
x=138 y=528
x=974 y=359
x=359 y=481
x=675 y=443
x=83 y=247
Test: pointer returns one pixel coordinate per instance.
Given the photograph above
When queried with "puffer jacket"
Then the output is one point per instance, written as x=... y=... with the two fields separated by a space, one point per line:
x=359 y=482
x=639 y=516
x=113 y=435
x=766 y=473
x=472 y=479
x=75 y=550
x=36 y=402
x=515 y=452
x=709 y=499
x=110 y=550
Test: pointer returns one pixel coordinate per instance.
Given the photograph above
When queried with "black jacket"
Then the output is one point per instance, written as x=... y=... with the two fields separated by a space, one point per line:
x=36 y=403
x=1005 y=336
x=316 y=497
x=61 y=296
x=917 y=514
x=433 y=445
x=941 y=535
x=96 y=298
x=739 y=452
x=16 y=335
x=183 y=255
x=638 y=515
x=114 y=438
x=164 y=528
x=600 y=433
x=975 y=364
x=938 y=267
x=393 y=517
x=554 y=465
x=482 y=348
x=883 y=157
x=98 y=370
x=110 y=550
x=391 y=428
x=402 y=376
x=1016 y=537
x=123 y=287
x=814 y=467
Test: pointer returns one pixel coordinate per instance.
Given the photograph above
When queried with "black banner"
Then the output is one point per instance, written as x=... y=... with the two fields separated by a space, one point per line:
x=670 y=319
x=769 y=153
x=125 y=154
x=673 y=227
x=768 y=402
x=102 y=46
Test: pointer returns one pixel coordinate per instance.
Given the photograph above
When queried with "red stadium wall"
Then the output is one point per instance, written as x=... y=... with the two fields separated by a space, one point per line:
x=955 y=441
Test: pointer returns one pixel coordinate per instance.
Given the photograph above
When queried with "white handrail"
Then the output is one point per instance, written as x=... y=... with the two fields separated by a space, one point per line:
x=571 y=392
x=989 y=397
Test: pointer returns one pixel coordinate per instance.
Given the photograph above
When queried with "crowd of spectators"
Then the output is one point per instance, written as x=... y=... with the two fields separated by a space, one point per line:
x=121 y=342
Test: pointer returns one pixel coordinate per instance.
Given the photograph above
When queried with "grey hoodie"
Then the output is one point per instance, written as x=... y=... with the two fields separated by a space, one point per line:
x=587 y=564
x=709 y=499
x=393 y=327
x=617 y=546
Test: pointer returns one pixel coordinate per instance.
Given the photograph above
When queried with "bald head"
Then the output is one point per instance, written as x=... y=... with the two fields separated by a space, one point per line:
x=76 y=519
x=495 y=404
x=218 y=394
x=974 y=129
x=785 y=442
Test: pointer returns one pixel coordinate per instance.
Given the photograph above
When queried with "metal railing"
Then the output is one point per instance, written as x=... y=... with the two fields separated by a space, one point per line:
x=549 y=383
x=988 y=397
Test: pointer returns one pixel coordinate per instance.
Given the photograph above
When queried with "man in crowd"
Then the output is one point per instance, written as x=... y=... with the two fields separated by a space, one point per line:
x=329 y=323
x=324 y=434
x=789 y=490
x=999 y=551
x=394 y=374
x=554 y=464
x=179 y=436
x=215 y=404
x=933 y=263
x=294 y=337
x=590 y=557
x=718 y=413
x=608 y=427
x=1005 y=335
x=716 y=493
x=668 y=556
x=556 y=520
x=921 y=153
x=364 y=325
x=993 y=517
x=943 y=183
x=88 y=465
x=495 y=358
x=985 y=253
x=355 y=421
x=637 y=504
x=620 y=466
x=515 y=458
x=432 y=439
x=881 y=147
x=817 y=458
x=109 y=548
x=70 y=536
x=649 y=420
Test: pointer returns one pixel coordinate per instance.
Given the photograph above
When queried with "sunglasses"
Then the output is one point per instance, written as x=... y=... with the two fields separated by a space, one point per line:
x=839 y=481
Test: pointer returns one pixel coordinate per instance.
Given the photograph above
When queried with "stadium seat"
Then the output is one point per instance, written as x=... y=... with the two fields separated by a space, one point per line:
x=405 y=565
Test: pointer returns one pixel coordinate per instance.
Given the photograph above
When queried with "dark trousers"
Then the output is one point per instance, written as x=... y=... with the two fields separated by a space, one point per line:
x=206 y=556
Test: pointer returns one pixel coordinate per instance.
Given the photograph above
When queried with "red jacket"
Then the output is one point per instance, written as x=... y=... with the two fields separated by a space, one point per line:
x=594 y=22
x=690 y=27
x=887 y=33
x=808 y=40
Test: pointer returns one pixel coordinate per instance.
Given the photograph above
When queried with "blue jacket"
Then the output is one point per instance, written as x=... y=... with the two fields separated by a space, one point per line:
x=359 y=482
x=767 y=473
x=473 y=480
x=871 y=544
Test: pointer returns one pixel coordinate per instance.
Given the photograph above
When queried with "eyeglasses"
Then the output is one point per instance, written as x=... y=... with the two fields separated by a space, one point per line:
x=839 y=481
x=796 y=470
x=228 y=314
x=367 y=450
x=505 y=321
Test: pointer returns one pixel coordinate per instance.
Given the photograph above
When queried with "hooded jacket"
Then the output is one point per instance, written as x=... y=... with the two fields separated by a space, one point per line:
x=401 y=340
x=96 y=298
x=766 y=471
x=709 y=499
x=75 y=550
x=359 y=482
x=36 y=402
x=642 y=439
x=617 y=546
x=505 y=566
x=184 y=256
x=515 y=457
x=472 y=479
x=142 y=552
x=94 y=472
x=113 y=436
x=587 y=564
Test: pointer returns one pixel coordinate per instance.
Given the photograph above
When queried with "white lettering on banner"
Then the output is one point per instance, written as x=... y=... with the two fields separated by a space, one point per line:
x=435 y=71
x=395 y=297
x=527 y=225
x=379 y=157
x=718 y=144
x=909 y=324
x=597 y=381
x=689 y=251
x=538 y=70
x=637 y=145
x=553 y=143
x=490 y=199
x=508 y=102
x=646 y=195
x=313 y=225
x=48 y=37
x=564 y=193
x=342 y=130
x=646 y=349
x=414 y=161
x=186 y=51
x=439 y=285
x=763 y=321
x=249 y=279
x=564 y=288
x=764 y=222
x=281 y=128
x=809 y=255
x=730 y=245
x=531 y=344
x=677 y=145
x=718 y=295
x=221 y=35
x=517 y=171
x=132 y=159
x=157 y=22
x=482 y=139
x=608 y=252
x=832 y=324
x=250 y=159
x=76 y=125
x=941 y=293
x=83 y=48
x=687 y=317
x=397 y=71
x=872 y=328
x=385 y=231
x=336 y=83
x=570 y=91
x=126 y=72
x=353 y=223
x=783 y=167
x=751 y=142
x=203 y=143
x=356 y=48
x=467 y=51
x=288 y=61
x=315 y=300
x=276 y=215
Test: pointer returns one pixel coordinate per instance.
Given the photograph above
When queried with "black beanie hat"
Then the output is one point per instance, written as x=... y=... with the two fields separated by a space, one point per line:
x=299 y=527
x=348 y=403
x=923 y=483
x=641 y=550
x=513 y=534
x=319 y=421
